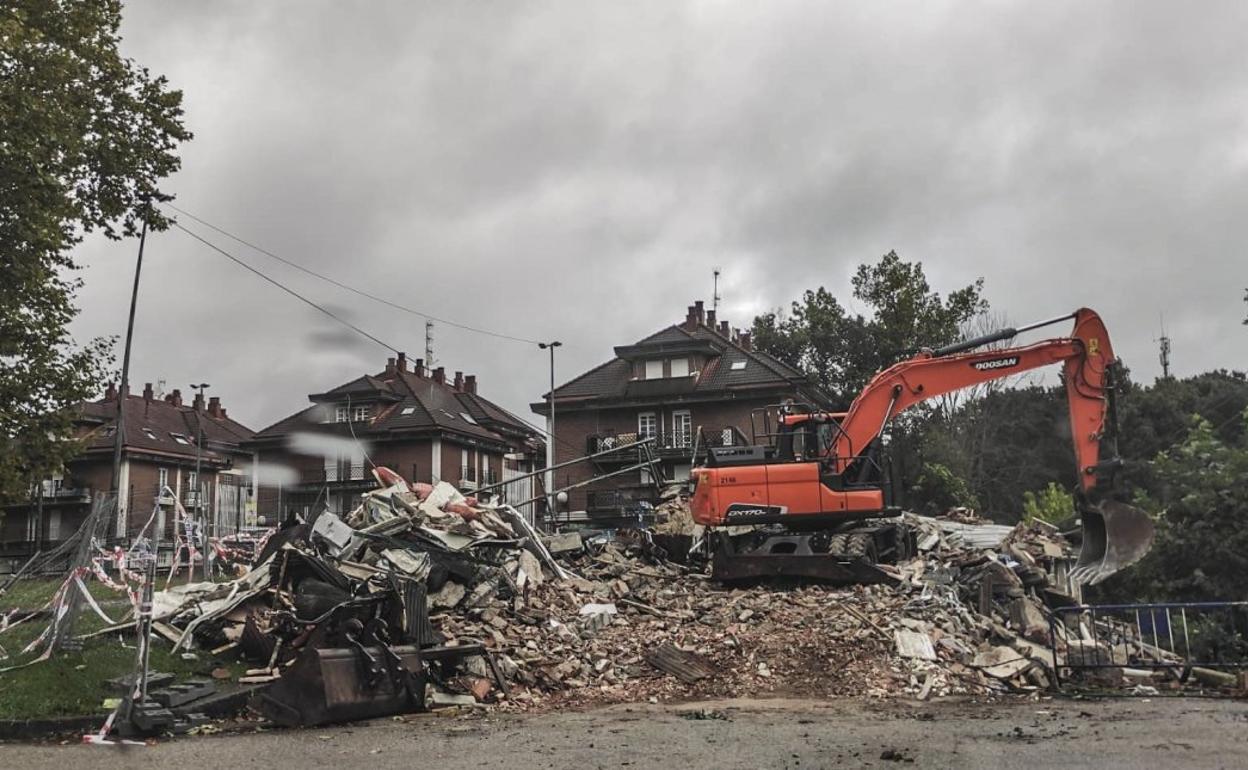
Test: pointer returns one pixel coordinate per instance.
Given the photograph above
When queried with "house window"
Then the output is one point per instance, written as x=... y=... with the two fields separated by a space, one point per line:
x=162 y=480
x=148 y=432
x=680 y=367
x=738 y=366
x=682 y=428
x=408 y=409
x=342 y=414
x=361 y=413
x=181 y=439
x=654 y=370
x=647 y=425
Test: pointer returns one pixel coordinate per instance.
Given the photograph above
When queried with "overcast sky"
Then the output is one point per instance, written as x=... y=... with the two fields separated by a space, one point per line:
x=575 y=170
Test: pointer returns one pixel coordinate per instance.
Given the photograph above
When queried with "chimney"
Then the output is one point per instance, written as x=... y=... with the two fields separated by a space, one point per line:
x=723 y=328
x=700 y=313
x=198 y=403
x=390 y=367
x=459 y=380
x=439 y=375
x=214 y=407
x=402 y=362
x=691 y=318
x=470 y=384
x=175 y=397
x=744 y=341
x=110 y=393
x=419 y=369
x=147 y=391
x=710 y=318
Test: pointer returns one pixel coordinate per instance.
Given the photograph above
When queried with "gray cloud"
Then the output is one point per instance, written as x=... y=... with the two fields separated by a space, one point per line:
x=574 y=170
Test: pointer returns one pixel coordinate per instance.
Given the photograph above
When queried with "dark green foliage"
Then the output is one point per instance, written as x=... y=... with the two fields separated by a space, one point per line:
x=85 y=138
x=1200 y=500
x=843 y=350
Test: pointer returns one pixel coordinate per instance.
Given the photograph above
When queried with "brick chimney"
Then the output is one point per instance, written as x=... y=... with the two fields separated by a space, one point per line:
x=470 y=384
x=402 y=362
x=175 y=397
x=390 y=369
x=198 y=403
x=710 y=318
x=459 y=381
x=419 y=369
x=110 y=393
x=744 y=341
x=691 y=318
x=439 y=375
x=148 y=394
x=723 y=328
x=214 y=408
x=700 y=312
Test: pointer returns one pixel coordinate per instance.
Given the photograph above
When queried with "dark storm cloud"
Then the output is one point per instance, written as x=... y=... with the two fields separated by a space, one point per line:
x=575 y=170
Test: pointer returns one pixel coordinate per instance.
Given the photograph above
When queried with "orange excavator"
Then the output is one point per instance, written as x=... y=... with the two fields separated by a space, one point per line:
x=816 y=500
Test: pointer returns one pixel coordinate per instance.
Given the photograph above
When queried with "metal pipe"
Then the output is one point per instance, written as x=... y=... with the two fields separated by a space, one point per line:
x=565 y=464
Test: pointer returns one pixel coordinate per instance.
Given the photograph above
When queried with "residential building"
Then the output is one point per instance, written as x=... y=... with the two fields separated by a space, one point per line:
x=161 y=447
x=688 y=386
x=408 y=419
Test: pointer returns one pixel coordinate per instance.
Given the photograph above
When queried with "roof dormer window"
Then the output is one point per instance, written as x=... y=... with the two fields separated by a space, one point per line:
x=679 y=367
x=361 y=414
x=654 y=370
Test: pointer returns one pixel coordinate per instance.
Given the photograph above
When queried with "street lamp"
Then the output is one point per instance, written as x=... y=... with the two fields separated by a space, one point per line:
x=550 y=429
x=199 y=484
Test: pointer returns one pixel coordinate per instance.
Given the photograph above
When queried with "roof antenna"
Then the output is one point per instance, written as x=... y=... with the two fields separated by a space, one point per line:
x=429 y=345
x=715 y=291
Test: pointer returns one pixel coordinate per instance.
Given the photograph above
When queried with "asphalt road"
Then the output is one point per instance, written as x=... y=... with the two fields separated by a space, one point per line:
x=1121 y=733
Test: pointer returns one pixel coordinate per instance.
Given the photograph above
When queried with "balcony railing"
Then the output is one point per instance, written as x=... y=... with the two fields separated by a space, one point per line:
x=336 y=474
x=666 y=443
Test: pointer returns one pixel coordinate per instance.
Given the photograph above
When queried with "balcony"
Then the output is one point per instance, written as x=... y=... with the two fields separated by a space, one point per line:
x=673 y=444
x=338 y=475
x=65 y=490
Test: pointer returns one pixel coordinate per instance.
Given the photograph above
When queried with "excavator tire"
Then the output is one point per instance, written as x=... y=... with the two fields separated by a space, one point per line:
x=838 y=544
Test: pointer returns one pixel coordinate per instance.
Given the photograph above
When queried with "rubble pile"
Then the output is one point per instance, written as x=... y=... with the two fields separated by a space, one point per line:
x=454 y=600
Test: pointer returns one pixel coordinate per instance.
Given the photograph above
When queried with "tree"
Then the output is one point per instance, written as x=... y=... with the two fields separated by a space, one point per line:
x=842 y=351
x=1200 y=552
x=85 y=138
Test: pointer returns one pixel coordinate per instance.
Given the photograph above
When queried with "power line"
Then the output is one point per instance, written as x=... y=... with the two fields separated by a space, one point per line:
x=329 y=313
x=284 y=288
x=348 y=287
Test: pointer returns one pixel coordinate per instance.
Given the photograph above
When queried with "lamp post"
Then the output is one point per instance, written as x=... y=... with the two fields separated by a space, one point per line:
x=199 y=484
x=550 y=431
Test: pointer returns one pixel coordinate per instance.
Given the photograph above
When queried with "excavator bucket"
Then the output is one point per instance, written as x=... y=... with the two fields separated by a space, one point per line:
x=1115 y=535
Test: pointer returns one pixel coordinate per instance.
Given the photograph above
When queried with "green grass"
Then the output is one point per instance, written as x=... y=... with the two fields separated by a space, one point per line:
x=75 y=683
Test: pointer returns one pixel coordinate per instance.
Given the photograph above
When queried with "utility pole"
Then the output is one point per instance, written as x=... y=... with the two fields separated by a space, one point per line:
x=1164 y=340
x=119 y=425
x=715 y=291
x=549 y=478
x=199 y=482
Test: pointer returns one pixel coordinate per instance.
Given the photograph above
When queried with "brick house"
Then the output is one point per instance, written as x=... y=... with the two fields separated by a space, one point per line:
x=687 y=386
x=411 y=420
x=158 y=451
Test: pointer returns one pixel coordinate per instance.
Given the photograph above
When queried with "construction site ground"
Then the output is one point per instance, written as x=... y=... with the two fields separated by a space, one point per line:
x=1004 y=734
